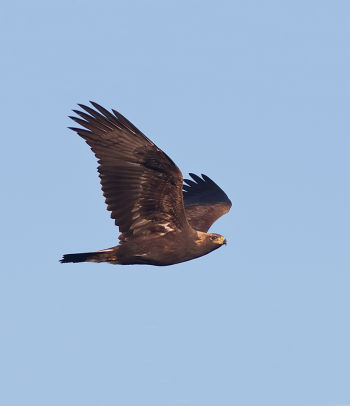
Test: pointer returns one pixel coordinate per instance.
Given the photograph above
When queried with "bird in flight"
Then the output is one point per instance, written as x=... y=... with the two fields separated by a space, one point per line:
x=162 y=220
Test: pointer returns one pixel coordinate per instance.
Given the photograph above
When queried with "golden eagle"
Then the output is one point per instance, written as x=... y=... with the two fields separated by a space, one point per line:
x=162 y=221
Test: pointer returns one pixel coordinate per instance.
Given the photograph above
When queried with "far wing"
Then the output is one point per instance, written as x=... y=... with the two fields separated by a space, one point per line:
x=204 y=202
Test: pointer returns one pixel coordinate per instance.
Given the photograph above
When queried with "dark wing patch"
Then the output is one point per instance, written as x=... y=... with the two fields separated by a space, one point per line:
x=141 y=184
x=204 y=202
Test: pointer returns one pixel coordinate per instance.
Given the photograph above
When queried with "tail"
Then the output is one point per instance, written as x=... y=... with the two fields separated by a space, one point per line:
x=108 y=255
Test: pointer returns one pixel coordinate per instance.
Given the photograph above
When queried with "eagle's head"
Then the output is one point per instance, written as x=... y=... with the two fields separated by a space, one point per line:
x=216 y=239
x=207 y=242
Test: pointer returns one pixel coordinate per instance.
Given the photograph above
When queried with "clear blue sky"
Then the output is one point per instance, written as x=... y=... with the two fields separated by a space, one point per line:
x=253 y=93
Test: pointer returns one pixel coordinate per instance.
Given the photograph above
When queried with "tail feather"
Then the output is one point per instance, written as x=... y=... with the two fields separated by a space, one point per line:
x=108 y=255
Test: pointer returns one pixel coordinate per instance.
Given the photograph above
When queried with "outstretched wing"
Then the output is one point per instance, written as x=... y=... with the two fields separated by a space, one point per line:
x=204 y=202
x=141 y=184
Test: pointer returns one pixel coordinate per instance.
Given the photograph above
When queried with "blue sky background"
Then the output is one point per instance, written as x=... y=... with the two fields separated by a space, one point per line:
x=253 y=93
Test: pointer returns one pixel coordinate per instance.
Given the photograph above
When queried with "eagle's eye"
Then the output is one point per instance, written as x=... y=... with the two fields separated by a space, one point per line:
x=213 y=237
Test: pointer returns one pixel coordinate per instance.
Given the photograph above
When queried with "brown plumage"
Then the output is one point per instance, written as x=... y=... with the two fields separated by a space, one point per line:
x=162 y=221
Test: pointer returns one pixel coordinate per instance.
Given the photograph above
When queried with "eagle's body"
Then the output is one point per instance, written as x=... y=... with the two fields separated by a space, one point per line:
x=162 y=221
x=152 y=251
